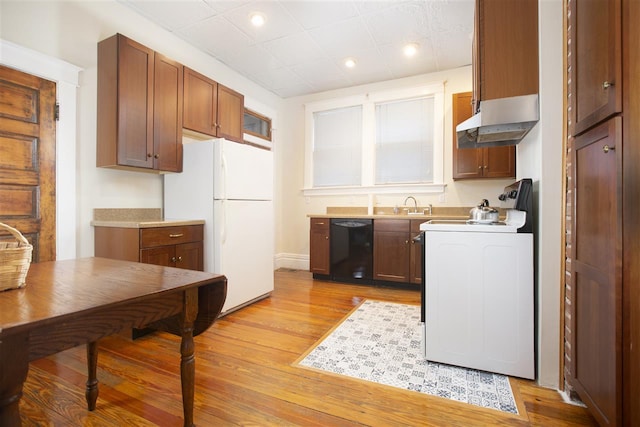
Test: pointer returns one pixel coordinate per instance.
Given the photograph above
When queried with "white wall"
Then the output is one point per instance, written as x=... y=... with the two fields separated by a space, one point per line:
x=70 y=31
x=293 y=233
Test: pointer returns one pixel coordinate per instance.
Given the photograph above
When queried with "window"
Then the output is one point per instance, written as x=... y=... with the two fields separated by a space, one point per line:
x=404 y=141
x=337 y=147
x=257 y=125
x=387 y=142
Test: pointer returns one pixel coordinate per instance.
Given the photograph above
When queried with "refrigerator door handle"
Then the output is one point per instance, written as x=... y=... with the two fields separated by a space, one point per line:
x=223 y=175
x=223 y=221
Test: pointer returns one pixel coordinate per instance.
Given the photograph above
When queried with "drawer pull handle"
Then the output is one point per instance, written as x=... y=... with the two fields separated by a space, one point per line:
x=174 y=236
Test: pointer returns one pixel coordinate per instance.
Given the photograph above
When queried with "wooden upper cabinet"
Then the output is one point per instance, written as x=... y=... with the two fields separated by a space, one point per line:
x=475 y=163
x=596 y=61
x=167 y=114
x=505 y=49
x=139 y=113
x=211 y=108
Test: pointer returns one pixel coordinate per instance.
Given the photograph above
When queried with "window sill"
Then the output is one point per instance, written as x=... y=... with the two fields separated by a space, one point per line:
x=376 y=189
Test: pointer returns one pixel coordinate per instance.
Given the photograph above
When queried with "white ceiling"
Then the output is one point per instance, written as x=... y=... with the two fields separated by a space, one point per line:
x=302 y=46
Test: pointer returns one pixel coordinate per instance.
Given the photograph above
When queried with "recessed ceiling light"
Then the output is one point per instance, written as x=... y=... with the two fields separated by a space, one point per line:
x=410 y=49
x=349 y=62
x=257 y=19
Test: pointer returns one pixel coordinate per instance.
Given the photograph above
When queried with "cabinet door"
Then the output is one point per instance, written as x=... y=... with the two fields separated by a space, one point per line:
x=391 y=254
x=161 y=255
x=596 y=61
x=506 y=48
x=467 y=162
x=200 y=103
x=596 y=330
x=499 y=162
x=416 y=259
x=391 y=249
x=135 y=71
x=230 y=114
x=190 y=256
x=319 y=247
x=167 y=114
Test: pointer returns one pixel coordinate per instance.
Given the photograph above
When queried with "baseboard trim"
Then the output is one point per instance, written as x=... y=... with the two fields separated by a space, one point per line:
x=293 y=261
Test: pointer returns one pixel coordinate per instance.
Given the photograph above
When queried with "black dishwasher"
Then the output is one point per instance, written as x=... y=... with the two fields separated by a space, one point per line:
x=352 y=250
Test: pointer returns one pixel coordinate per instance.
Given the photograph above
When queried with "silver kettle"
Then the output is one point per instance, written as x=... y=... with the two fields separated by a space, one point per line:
x=483 y=213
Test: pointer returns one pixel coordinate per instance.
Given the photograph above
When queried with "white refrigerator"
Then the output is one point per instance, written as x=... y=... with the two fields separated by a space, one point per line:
x=230 y=186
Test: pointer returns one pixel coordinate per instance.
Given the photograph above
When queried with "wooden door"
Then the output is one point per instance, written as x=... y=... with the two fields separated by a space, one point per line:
x=200 y=103
x=596 y=330
x=596 y=61
x=167 y=114
x=230 y=114
x=28 y=159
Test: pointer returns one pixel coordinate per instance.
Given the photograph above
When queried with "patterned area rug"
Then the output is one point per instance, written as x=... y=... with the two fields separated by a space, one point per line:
x=380 y=342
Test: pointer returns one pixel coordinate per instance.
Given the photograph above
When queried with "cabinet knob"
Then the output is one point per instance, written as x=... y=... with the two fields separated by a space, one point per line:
x=156 y=156
x=406 y=242
x=606 y=148
x=606 y=85
x=173 y=259
x=326 y=237
x=179 y=259
x=149 y=154
x=486 y=167
x=480 y=167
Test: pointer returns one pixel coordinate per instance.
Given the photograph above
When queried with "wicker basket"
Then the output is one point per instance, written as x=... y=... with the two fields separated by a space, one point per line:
x=15 y=258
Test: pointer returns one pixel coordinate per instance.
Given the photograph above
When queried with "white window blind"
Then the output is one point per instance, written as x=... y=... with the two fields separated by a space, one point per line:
x=337 y=147
x=404 y=141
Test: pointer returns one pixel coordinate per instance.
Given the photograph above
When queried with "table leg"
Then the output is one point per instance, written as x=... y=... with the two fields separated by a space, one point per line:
x=91 y=392
x=187 y=359
x=14 y=367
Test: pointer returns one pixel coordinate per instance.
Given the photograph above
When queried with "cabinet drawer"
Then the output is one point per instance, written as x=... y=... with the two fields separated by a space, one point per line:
x=318 y=224
x=159 y=236
x=402 y=225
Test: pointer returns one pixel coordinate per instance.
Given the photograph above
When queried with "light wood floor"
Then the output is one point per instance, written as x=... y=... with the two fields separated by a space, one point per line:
x=244 y=375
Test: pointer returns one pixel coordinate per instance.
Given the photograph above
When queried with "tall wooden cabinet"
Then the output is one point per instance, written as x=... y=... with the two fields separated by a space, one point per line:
x=139 y=123
x=602 y=289
x=476 y=163
x=211 y=108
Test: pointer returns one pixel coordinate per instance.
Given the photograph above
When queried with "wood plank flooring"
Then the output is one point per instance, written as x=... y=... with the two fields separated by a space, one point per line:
x=245 y=377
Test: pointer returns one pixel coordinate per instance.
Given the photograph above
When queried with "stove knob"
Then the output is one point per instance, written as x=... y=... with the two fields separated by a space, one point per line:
x=502 y=197
x=513 y=194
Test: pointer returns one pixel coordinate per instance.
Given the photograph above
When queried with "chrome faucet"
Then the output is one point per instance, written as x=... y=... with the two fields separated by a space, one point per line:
x=415 y=203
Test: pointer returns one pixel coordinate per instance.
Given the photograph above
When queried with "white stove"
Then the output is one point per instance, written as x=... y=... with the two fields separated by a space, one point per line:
x=478 y=290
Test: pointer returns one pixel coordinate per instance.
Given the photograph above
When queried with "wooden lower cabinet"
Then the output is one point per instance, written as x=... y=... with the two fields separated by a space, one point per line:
x=319 y=246
x=174 y=246
x=397 y=257
x=415 y=254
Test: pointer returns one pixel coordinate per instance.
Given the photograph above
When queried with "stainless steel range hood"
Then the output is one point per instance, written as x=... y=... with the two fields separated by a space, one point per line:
x=500 y=122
